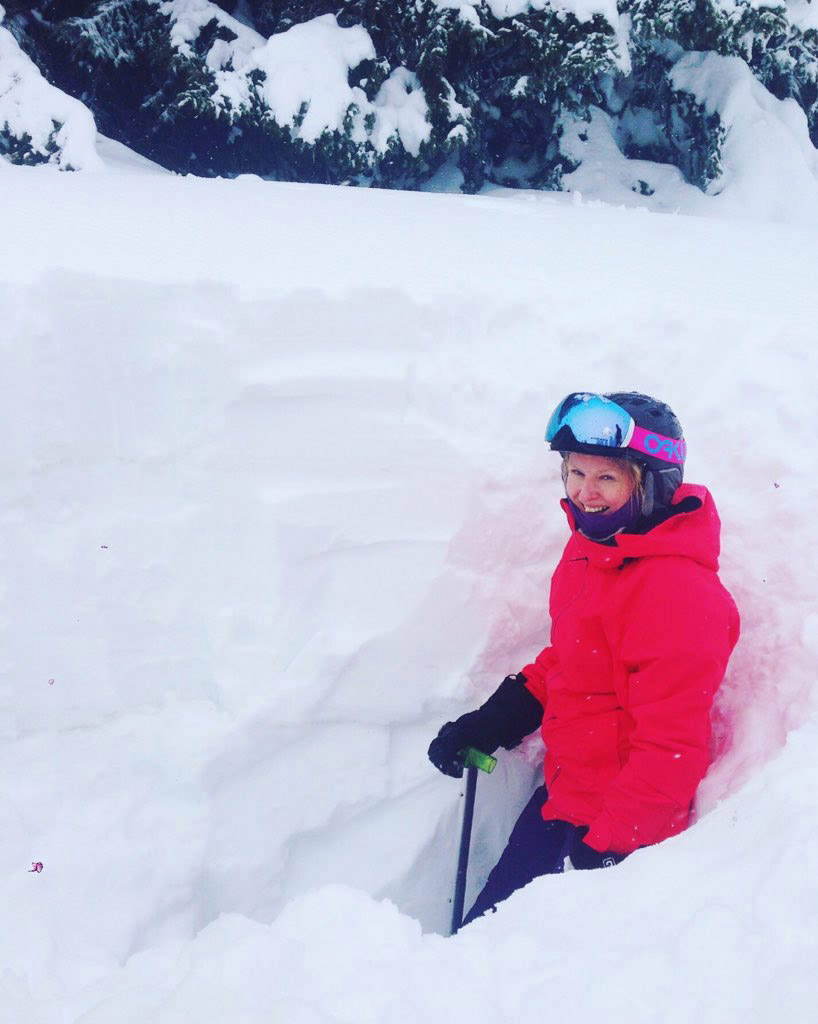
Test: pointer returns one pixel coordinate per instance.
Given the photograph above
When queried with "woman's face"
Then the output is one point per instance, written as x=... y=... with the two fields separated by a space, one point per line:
x=597 y=484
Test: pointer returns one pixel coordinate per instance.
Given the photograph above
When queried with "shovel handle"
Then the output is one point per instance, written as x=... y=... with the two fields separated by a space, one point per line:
x=474 y=758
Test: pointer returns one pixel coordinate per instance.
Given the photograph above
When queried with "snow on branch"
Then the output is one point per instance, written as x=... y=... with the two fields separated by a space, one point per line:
x=38 y=122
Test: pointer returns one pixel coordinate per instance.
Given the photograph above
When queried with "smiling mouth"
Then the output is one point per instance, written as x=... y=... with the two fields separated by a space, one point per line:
x=596 y=508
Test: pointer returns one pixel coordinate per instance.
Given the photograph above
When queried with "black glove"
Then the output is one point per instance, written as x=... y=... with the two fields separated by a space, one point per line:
x=506 y=718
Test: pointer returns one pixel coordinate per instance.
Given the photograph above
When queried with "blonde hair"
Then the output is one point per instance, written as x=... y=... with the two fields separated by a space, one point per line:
x=635 y=470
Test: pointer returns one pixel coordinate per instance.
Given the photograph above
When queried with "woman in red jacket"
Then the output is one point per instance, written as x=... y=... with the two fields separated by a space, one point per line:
x=641 y=632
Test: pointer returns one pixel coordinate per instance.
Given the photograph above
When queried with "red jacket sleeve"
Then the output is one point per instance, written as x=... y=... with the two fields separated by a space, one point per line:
x=537 y=673
x=674 y=647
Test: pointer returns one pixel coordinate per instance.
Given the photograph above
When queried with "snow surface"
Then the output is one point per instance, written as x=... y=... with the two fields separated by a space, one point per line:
x=803 y=14
x=769 y=167
x=767 y=154
x=402 y=112
x=305 y=87
x=582 y=10
x=309 y=65
x=276 y=504
x=189 y=17
x=60 y=129
x=305 y=77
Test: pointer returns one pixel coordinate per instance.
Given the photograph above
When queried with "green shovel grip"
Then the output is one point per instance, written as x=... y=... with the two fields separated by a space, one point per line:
x=474 y=758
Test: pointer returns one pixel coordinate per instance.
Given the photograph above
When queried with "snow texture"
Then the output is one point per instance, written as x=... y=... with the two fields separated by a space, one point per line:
x=768 y=157
x=305 y=77
x=769 y=167
x=582 y=10
x=402 y=109
x=803 y=14
x=276 y=504
x=50 y=125
x=310 y=64
x=189 y=17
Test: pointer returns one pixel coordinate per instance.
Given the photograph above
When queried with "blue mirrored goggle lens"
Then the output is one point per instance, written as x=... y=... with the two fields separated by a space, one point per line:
x=592 y=419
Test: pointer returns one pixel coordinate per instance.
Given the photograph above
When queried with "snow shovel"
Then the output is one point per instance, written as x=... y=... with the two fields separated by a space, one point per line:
x=472 y=760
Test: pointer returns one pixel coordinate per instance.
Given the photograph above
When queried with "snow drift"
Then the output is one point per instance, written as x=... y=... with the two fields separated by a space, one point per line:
x=276 y=505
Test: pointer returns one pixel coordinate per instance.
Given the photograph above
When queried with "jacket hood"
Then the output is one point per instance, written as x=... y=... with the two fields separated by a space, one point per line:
x=693 y=531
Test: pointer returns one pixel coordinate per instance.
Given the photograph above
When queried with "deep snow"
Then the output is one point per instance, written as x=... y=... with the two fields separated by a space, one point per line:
x=276 y=504
x=766 y=165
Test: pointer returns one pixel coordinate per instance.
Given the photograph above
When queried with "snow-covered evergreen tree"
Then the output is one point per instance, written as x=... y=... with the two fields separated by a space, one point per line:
x=38 y=122
x=389 y=92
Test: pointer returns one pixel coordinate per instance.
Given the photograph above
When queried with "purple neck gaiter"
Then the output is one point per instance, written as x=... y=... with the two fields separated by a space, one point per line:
x=603 y=525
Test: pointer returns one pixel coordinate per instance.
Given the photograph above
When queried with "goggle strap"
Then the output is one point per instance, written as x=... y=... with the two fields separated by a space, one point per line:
x=648 y=442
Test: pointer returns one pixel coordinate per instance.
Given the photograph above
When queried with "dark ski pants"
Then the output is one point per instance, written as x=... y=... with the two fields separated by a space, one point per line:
x=535 y=848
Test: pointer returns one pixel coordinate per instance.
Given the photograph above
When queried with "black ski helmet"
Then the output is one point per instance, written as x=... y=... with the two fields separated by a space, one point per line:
x=661 y=478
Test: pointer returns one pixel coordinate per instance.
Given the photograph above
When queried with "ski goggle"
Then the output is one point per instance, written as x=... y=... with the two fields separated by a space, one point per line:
x=596 y=420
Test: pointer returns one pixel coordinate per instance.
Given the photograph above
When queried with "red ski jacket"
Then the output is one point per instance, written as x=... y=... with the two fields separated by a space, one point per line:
x=641 y=632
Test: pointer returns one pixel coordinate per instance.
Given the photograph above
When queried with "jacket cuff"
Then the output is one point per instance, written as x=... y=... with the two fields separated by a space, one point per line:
x=599 y=835
x=512 y=712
